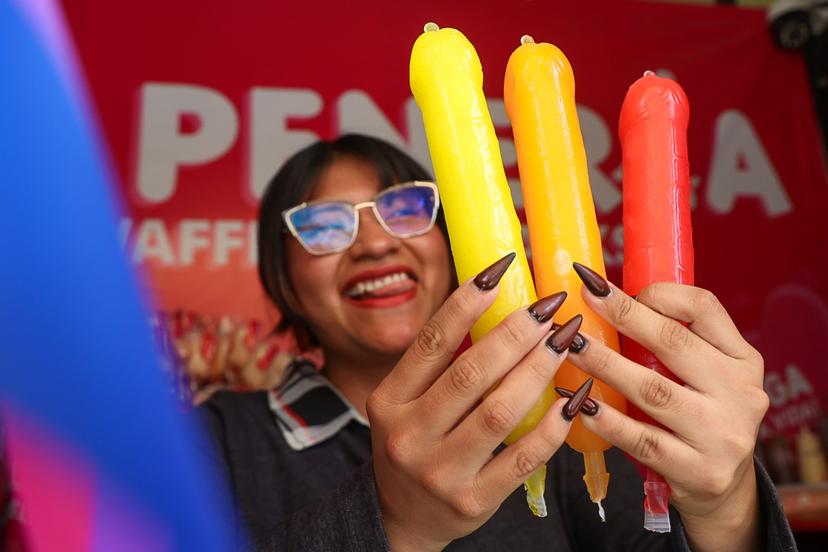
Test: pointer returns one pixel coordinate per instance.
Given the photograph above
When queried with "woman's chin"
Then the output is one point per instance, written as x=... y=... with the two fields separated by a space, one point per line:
x=389 y=341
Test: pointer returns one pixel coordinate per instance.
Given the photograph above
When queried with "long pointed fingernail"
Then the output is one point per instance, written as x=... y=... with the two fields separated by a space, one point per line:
x=593 y=281
x=579 y=342
x=574 y=404
x=544 y=309
x=590 y=407
x=563 y=337
x=490 y=277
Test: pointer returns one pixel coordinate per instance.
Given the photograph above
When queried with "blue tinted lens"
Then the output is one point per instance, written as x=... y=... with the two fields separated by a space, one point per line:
x=324 y=227
x=407 y=211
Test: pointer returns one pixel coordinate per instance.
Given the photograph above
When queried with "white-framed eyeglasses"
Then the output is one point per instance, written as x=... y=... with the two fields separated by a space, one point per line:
x=404 y=211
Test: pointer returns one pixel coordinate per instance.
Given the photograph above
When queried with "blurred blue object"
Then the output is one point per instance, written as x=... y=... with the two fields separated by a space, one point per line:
x=77 y=358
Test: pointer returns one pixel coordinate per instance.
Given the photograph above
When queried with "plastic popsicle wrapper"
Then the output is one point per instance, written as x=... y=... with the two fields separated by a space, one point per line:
x=658 y=236
x=539 y=92
x=447 y=83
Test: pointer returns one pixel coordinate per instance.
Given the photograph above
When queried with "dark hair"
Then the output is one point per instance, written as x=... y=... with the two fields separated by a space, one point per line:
x=293 y=184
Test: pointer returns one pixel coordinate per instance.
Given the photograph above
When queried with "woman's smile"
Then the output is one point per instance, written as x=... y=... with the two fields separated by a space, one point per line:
x=383 y=287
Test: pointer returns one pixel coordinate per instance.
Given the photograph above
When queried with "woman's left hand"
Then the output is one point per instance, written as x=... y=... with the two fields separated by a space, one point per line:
x=706 y=451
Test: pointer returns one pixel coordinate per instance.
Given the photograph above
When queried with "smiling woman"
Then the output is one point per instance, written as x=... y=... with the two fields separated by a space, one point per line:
x=395 y=442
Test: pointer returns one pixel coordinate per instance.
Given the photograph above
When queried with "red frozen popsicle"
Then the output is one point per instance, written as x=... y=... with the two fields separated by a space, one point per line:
x=658 y=241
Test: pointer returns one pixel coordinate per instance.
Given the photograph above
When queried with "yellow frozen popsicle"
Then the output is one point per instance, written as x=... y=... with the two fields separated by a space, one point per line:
x=447 y=83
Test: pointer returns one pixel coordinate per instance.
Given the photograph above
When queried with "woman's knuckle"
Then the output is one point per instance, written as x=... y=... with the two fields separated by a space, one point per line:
x=760 y=402
x=649 y=447
x=651 y=295
x=526 y=462
x=756 y=362
x=497 y=417
x=433 y=481
x=398 y=447
x=430 y=340
x=746 y=445
x=511 y=332
x=755 y=401
x=717 y=481
x=705 y=302
x=465 y=375
x=466 y=506
x=624 y=309
x=739 y=443
x=656 y=391
x=673 y=336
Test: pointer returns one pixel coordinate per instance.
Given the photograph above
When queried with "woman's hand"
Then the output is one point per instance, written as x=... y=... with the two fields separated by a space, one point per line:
x=714 y=417
x=434 y=427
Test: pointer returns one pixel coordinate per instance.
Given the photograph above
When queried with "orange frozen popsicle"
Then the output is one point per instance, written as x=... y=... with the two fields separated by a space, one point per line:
x=539 y=92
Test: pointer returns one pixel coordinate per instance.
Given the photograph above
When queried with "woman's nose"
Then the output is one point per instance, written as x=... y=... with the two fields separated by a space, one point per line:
x=372 y=240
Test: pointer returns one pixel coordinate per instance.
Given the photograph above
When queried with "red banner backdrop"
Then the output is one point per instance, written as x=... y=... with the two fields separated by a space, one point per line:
x=201 y=102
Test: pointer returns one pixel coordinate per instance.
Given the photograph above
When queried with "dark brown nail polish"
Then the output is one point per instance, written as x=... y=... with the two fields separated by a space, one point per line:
x=544 y=309
x=590 y=407
x=579 y=342
x=574 y=404
x=564 y=335
x=491 y=276
x=594 y=282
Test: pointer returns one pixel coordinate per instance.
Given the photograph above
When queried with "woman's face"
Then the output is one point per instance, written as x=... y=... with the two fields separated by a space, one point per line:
x=408 y=278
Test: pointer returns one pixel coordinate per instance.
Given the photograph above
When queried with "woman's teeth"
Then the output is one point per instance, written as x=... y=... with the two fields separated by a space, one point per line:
x=370 y=286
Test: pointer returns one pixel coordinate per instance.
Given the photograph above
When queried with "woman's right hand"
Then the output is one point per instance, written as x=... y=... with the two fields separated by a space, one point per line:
x=434 y=427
